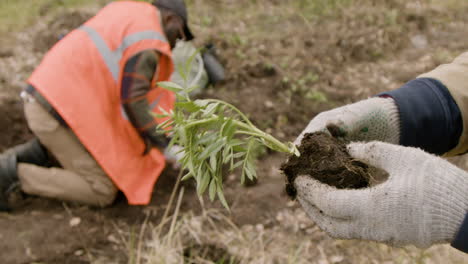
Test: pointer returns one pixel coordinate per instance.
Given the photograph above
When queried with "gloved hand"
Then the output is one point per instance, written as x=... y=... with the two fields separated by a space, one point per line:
x=154 y=139
x=173 y=155
x=423 y=201
x=372 y=119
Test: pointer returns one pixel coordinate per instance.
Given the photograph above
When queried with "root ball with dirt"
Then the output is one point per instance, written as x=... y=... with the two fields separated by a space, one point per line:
x=326 y=159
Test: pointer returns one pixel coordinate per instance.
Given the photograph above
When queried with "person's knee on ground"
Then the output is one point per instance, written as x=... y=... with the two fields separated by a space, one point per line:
x=57 y=183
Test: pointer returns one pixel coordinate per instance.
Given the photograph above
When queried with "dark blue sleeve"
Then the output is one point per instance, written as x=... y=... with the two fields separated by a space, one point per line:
x=461 y=239
x=429 y=116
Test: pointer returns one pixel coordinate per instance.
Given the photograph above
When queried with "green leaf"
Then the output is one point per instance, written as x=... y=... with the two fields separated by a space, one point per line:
x=181 y=131
x=199 y=175
x=237 y=164
x=212 y=190
x=191 y=89
x=174 y=87
x=236 y=142
x=214 y=162
x=248 y=167
x=239 y=155
x=180 y=97
x=188 y=106
x=155 y=115
x=221 y=197
x=187 y=176
x=204 y=183
x=212 y=149
x=191 y=166
x=227 y=158
x=239 y=148
x=226 y=154
x=228 y=129
x=182 y=73
x=207 y=138
x=210 y=109
x=162 y=110
x=201 y=103
x=165 y=124
x=250 y=171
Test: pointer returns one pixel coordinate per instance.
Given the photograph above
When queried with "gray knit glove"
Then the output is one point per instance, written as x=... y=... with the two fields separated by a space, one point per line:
x=173 y=155
x=372 y=119
x=197 y=75
x=423 y=201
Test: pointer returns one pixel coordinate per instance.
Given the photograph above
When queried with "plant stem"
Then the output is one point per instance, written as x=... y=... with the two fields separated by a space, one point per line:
x=203 y=121
x=250 y=129
x=257 y=132
x=254 y=131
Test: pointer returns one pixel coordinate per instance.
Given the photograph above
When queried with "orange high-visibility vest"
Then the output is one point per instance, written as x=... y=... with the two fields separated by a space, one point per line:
x=81 y=78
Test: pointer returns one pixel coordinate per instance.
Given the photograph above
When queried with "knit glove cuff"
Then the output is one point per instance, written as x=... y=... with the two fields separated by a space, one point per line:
x=447 y=202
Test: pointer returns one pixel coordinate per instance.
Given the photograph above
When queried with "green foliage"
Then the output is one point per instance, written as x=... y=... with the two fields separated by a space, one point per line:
x=215 y=136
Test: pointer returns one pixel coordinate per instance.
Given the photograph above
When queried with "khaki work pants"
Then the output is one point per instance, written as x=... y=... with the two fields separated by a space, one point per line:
x=81 y=179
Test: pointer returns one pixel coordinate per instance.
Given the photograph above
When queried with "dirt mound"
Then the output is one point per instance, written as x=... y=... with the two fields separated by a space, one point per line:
x=13 y=128
x=57 y=28
x=325 y=159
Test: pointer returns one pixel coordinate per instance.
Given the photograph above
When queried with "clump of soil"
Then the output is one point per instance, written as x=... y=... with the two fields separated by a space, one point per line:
x=326 y=159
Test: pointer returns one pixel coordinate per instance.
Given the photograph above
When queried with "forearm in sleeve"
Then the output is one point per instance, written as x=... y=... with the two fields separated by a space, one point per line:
x=454 y=76
x=429 y=116
x=136 y=83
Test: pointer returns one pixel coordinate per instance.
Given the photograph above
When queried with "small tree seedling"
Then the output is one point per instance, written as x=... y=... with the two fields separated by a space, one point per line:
x=213 y=135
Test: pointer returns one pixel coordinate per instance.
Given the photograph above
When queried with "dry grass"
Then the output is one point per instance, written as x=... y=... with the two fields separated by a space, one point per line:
x=293 y=239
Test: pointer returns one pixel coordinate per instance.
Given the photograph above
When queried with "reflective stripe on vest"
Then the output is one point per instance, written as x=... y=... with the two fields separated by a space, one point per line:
x=112 y=58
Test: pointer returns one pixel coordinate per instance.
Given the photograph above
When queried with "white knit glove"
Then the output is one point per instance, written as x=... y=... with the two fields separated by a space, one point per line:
x=197 y=75
x=423 y=201
x=372 y=119
x=173 y=155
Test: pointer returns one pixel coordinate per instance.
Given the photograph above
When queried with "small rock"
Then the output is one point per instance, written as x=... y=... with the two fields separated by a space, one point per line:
x=113 y=239
x=58 y=216
x=279 y=217
x=259 y=227
x=232 y=177
x=336 y=259
x=75 y=221
x=269 y=104
x=419 y=41
x=79 y=252
x=35 y=213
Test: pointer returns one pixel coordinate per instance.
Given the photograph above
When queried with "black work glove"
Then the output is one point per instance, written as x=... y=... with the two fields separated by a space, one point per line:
x=212 y=65
x=154 y=139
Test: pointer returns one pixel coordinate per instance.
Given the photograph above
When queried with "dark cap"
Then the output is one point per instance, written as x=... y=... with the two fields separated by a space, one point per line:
x=179 y=8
